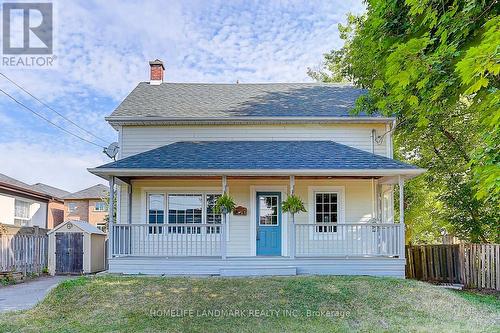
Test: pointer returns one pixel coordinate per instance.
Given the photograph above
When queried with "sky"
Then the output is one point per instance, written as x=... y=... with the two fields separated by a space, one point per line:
x=102 y=50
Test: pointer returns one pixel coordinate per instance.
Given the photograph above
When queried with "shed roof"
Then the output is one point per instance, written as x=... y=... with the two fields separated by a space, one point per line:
x=84 y=226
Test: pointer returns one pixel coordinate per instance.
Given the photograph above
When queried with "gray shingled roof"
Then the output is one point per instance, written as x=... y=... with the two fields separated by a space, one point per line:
x=11 y=181
x=93 y=192
x=39 y=188
x=197 y=100
x=257 y=155
x=50 y=190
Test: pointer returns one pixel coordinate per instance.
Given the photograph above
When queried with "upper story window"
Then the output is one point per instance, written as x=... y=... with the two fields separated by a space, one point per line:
x=21 y=213
x=72 y=207
x=326 y=208
x=100 y=206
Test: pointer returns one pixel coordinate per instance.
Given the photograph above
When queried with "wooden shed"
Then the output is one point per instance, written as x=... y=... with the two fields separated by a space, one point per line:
x=76 y=247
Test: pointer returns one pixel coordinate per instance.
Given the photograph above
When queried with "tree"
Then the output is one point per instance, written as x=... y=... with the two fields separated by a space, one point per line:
x=106 y=203
x=434 y=64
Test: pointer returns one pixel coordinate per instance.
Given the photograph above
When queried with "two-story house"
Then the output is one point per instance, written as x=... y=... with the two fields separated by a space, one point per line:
x=87 y=205
x=184 y=144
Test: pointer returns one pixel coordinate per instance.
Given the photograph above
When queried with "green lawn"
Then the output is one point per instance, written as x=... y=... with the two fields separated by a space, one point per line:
x=301 y=304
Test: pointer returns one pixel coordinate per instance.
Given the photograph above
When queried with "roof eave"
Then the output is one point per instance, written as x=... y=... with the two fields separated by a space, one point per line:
x=123 y=121
x=106 y=173
x=37 y=194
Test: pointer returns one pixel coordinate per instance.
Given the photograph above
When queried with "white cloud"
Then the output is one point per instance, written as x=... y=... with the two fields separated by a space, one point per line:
x=103 y=48
x=37 y=163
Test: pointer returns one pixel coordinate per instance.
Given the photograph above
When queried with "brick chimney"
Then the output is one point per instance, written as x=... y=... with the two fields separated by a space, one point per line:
x=157 y=70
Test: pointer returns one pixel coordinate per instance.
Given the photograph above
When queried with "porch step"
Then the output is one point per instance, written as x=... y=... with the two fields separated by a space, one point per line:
x=258 y=271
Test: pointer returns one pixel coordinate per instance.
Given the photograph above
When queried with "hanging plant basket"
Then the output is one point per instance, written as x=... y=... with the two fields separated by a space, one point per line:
x=224 y=204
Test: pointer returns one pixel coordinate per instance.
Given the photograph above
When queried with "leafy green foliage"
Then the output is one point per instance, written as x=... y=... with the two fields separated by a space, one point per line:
x=293 y=205
x=106 y=203
x=225 y=203
x=434 y=64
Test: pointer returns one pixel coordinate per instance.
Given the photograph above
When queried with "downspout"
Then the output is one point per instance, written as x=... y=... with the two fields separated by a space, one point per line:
x=373 y=136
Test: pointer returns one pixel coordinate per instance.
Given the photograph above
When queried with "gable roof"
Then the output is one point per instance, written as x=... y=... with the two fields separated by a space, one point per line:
x=82 y=225
x=197 y=101
x=50 y=190
x=256 y=157
x=94 y=192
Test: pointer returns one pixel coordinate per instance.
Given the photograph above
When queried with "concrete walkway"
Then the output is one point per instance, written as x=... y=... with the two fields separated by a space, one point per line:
x=26 y=295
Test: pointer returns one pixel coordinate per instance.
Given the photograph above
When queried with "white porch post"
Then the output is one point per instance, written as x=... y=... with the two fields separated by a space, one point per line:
x=111 y=220
x=223 y=237
x=401 y=216
x=292 y=229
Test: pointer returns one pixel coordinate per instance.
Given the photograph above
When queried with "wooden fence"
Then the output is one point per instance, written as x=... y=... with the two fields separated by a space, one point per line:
x=23 y=249
x=473 y=265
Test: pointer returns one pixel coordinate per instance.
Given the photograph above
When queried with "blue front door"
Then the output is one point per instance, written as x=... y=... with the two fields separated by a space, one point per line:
x=268 y=223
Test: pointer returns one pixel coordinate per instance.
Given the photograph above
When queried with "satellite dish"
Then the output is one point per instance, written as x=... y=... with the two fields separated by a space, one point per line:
x=112 y=150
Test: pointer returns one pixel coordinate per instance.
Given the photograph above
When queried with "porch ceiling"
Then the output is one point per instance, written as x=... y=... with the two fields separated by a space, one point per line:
x=256 y=158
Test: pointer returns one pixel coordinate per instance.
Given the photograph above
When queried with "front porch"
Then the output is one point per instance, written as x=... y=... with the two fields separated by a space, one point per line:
x=166 y=222
x=352 y=233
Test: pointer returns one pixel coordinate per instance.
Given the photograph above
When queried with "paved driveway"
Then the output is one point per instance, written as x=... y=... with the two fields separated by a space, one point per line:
x=26 y=295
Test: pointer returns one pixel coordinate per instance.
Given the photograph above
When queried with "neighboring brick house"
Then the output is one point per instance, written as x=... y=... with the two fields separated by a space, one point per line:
x=38 y=205
x=87 y=205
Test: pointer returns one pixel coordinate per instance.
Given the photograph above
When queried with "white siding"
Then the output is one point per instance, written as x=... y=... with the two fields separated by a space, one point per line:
x=137 y=139
x=38 y=210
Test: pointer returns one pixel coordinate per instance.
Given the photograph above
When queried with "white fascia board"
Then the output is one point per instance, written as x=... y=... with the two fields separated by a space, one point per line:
x=120 y=121
x=106 y=172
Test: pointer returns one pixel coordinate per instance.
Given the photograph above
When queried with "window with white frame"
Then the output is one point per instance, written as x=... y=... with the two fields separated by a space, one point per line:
x=183 y=208
x=72 y=207
x=100 y=206
x=21 y=213
x=156 y=212
x=326 y=211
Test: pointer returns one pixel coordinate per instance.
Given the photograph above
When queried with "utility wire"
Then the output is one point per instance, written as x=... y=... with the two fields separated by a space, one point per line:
x=50 y=108
x=49 y=121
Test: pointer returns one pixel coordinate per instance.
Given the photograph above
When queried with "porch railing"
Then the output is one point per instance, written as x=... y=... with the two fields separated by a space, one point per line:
x=170 y=240
x=311 y=240
x=348 y=239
